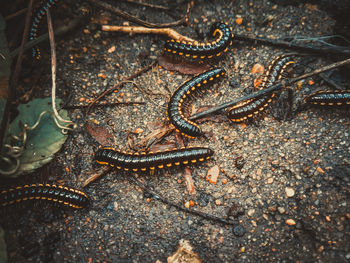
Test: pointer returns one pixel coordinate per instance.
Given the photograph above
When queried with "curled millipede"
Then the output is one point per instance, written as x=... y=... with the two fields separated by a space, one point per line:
x=61 y=195
x=175 y=107
x=249 y=108
x=153 y=160
x=335 y=98
x=35 y=24
x=202 y=50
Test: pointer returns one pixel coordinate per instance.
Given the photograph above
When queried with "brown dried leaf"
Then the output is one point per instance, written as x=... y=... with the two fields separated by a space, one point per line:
x=184 y=254
x=257 y=69
x=183 y=67
x=189 y=181
x=213 y=174
x=154 y=137
x=163 y=147
x=155 y=125
x=100 y=134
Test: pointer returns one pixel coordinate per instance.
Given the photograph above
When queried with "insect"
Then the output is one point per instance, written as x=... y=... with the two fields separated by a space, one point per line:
x=252 y=107
x=152 y=160
x=336 y=98
x=202 y=50
x=61 y=195
x=35 y=24
x=175 y=113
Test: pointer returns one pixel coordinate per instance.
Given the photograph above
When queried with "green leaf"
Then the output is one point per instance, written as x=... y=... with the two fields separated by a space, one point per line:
x=43 y=141
x=3 y=252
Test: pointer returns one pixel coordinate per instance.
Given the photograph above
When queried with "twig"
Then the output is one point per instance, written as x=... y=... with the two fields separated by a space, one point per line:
x=138 y=21
x=319 y=39
x=18 y=13
x=53 y=76
x=286 y=44
x=171 y=33
x=126 y=80
x=273 y=88
x=330 y=82
x=180 y=207
x=187 y=171
x=60 y=31
x=148 y=5
x=14 y=80
x=93 y=178
x=326 y=78
x=73 y=107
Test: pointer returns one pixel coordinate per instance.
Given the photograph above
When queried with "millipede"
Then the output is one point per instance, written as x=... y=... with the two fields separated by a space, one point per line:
x=35 y=24
x=248 y=109
x=175 y=113
x=202 y=50
x=57 y=194
x=153 y=160
x=335 y=98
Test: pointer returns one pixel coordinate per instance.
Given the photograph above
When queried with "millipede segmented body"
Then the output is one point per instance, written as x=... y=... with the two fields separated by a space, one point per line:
x=35 y=24
x=61 y=195
x=335 y=98
x=249 y=108
x=202 y=50
x=175 y=107
x=150 y=161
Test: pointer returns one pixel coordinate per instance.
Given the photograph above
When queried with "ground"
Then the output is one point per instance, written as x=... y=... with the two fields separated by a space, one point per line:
x=284 y=183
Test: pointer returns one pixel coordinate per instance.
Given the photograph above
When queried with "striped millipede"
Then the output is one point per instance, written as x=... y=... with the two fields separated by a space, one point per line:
x=153 y=160
x=247 y=109
x=335 y=98
x=35 y=24
x=175 y=107
x=61 y=195
x=202 y=50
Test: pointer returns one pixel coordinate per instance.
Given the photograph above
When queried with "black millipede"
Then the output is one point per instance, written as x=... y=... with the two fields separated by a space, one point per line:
x=202 y=50
x=335 y=98
x=153 y=160
x=175 y=107
x=35 y=24
x=249 y=108
x=57 y=194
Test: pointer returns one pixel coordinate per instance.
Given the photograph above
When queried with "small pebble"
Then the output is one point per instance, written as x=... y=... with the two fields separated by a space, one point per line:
x=320 y=170
x=218 y=202
x=239 y=162
x=290 y=222
x=251 y=212
x=289 y=192
x=238 y=230
x=269 y=180
x=281 y=210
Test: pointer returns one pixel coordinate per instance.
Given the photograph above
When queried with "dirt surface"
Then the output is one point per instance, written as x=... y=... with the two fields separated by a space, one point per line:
x=284 y=183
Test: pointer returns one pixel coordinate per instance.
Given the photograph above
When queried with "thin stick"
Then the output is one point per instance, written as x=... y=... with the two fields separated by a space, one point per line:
x=94 y=177
x=180 y=207
x=145 y=30
x=138 y=21
x=148 y=5
x=73 y=107
x=14 y=80
x=53 y=68
x=60 y=31
x=286 y=44
x=126 y=80
x=273 y=88
x=18 y=13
